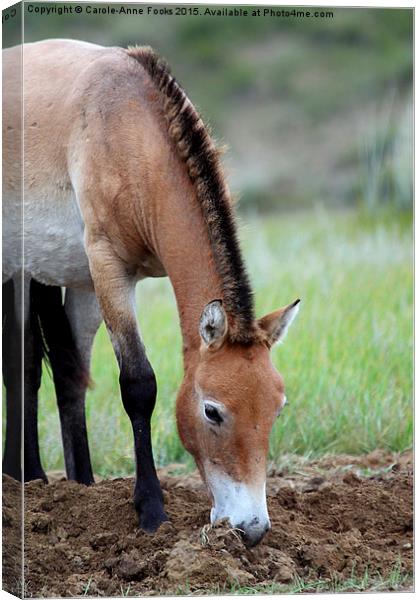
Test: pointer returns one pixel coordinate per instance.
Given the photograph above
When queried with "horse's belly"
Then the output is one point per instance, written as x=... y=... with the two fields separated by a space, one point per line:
x=12 y=240
x=53 y=244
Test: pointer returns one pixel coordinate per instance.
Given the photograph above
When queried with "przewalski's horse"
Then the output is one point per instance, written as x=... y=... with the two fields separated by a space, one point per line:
x=123 y=182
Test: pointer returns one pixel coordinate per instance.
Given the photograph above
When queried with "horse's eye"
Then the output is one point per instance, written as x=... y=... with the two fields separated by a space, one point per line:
x=213 y=414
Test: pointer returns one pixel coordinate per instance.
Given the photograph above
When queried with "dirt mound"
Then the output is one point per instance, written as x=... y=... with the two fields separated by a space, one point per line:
x=325 y=524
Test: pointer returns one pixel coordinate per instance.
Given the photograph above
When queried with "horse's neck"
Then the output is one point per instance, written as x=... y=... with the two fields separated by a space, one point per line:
x=185 y=251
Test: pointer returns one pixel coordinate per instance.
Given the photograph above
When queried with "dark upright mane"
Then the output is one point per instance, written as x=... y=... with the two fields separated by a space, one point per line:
x=198 y=150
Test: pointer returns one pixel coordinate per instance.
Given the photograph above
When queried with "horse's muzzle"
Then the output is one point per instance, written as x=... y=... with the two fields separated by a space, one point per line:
x=253 y=534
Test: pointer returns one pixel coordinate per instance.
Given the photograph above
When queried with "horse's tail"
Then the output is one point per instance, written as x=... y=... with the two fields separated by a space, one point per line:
x=53 y=335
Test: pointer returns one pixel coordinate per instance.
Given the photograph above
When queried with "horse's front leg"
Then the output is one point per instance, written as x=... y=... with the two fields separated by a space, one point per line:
x=115 y=292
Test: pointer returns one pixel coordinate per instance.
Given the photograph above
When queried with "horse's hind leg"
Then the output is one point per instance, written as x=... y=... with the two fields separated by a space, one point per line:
x=12 y=371
x=84 y=316
x=70 y=368
x=33 y=349
x=115 y=293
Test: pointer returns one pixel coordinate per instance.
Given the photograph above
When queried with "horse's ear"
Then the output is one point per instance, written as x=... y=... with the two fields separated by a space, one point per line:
x=213 y=325
x=277 y=323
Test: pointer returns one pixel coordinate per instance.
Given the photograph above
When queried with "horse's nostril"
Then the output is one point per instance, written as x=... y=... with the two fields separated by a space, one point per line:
x=253 y=536
x=241 y=529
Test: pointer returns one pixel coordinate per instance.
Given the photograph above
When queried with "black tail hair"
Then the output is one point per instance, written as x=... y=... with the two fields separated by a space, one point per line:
x=53 y=335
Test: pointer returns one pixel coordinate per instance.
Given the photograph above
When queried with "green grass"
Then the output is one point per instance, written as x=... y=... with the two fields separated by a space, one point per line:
x=347 y=361
x=369 y=582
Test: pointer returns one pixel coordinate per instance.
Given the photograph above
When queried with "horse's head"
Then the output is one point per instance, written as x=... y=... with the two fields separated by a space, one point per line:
x=226 y=408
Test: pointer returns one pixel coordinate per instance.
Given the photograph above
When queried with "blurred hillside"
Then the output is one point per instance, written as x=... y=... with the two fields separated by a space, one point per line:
x=313 y=110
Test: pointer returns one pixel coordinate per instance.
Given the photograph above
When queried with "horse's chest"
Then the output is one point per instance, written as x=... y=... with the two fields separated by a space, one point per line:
x=53 y=243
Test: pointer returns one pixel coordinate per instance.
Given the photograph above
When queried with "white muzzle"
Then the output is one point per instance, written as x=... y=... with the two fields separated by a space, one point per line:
x=245 y=506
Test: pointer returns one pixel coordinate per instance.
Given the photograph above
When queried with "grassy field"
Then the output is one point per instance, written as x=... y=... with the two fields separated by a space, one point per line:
x=372 y=582
x=347 y=361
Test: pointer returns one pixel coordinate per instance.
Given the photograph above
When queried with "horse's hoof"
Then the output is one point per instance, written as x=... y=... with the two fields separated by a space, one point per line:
x=36 y=476
x=150 y=521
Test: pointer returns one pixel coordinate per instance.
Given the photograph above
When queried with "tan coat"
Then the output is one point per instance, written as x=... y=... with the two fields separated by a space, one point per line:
x=121 y=182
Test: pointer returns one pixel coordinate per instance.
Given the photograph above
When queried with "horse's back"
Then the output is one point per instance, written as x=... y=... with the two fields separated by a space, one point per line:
x=87 y=122
x=78 y=98
x=57 y=75
x=55 y=84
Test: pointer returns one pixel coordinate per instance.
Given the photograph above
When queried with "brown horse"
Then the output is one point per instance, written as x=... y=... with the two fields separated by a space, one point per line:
x=122 y=182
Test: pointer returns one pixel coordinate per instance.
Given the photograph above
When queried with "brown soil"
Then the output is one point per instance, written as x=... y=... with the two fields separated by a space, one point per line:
x=328 y=521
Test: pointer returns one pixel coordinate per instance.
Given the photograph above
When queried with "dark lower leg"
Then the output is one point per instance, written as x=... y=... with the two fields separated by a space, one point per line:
x=32 y=460
x=148 y=497
x=139 y=397
x=71 y=405
x=12 y=373
x=13 y=438
x=70 y=379
x=32 y=370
